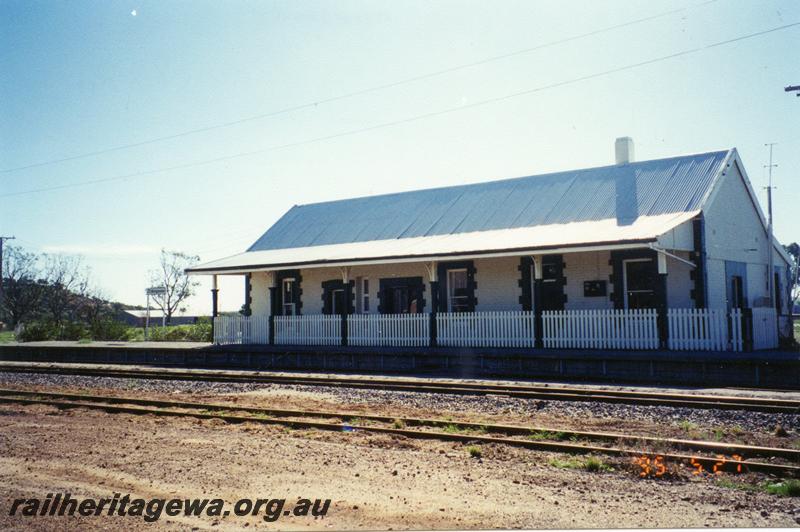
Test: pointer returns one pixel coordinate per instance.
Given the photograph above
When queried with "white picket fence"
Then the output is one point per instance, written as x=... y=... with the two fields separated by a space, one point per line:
x=388 y=329
x=309 y=329
x=704 y=329
x=736 y=330
x=600 y=329
x=689 y=329
x=765 y=328
x=241 y=330
x=485 y=329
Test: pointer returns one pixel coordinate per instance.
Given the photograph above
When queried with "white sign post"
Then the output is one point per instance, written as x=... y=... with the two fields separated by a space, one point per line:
x=154 y=291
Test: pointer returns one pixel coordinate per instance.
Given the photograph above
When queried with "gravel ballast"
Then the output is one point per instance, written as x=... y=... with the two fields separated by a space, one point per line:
x=489 y=405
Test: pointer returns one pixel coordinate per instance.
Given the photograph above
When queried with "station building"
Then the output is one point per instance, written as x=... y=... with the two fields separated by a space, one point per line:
x=670 y=253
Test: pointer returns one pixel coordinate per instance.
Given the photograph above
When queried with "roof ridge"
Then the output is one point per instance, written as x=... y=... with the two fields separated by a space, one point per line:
x=507 y=179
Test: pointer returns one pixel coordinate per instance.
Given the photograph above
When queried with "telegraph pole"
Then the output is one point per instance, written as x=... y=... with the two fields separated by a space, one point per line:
x=2 y=239
x=769 y=187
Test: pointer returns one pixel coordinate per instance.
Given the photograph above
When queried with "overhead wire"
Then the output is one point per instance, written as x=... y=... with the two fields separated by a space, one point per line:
x=407 y=120
x=356 y=93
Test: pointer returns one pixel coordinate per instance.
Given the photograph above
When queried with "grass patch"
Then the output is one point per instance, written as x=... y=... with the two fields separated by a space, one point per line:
x=85 y=341
x=539 y=435
x=6 y=336
x=399 y=424
x=590 y=463
x=216 y=412
x=688 y=426
x=595 y=465
x=570 y=463
x=785 y=488
x=474 y=451
x=742 y=486
x=454 y=428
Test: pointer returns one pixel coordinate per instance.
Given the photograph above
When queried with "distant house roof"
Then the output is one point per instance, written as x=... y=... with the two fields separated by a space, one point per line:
x=154 y=313
x=632 y=202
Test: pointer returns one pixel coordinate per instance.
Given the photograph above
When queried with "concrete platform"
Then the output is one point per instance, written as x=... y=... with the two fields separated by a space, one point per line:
x=766 y=369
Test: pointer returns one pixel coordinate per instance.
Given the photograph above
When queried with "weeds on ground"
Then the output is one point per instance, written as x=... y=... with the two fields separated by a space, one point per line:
x=399 y=424
x=215 y=412
x=742 y=486
x=539 y=435
x=6 y=336
x=453 y=428
x=590 y=463
x=784 y=488
x=688 y=426
x=594 y=465
x=474 y=451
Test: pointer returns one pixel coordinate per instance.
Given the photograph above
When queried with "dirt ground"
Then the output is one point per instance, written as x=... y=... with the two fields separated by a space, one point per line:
x=374 y=482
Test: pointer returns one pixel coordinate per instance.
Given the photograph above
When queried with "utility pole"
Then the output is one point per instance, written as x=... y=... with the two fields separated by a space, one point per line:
x=770 y=272
x=2 y=239
x=793 y=88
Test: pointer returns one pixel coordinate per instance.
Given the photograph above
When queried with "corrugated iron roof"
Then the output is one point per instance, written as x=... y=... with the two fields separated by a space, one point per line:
x=621 y=192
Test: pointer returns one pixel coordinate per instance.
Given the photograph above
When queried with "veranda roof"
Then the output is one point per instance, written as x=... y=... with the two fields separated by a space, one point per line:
x=575 y=236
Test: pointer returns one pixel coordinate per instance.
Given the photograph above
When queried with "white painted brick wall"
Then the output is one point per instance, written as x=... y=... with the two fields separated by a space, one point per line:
x=259 y=291
x=679 y=282
x=498 y=287
x=589 y=266
x=734 y=232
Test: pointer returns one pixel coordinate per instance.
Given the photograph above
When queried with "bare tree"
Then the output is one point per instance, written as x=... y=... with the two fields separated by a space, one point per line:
x=22 y=287
x=93 y=305
x=67 y=278
x=172 y=276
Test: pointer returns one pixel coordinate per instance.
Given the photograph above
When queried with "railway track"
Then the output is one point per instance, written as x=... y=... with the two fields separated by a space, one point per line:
x=539 y=392
x=538 y=438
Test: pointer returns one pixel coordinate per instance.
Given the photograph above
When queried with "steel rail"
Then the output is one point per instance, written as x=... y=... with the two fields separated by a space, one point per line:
x=700 y=401
x=221 y=410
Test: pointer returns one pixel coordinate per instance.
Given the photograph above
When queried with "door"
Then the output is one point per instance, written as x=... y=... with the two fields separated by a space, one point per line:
x=337 y=301
x=737 y=292
x=640 y=283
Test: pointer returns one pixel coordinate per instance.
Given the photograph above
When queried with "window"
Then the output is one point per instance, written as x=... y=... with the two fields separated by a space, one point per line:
x=401 y=295
x=362 y=295
x=457 y=295
x=640 y=283
x=288 y=296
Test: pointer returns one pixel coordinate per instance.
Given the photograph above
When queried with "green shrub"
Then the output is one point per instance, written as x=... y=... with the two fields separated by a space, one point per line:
x=108 y=329
x=72 y=330
x=38 y=331
x=197 y=332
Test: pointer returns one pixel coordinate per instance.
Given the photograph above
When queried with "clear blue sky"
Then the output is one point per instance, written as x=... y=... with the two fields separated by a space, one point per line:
x=78 y=77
